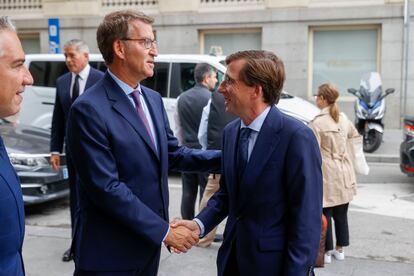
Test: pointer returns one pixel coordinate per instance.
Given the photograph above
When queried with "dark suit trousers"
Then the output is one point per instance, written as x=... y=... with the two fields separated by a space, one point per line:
x=232 y=267
x=150 y=270
x=191 y=183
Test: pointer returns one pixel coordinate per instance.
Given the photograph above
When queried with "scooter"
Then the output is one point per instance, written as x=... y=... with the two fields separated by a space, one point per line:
x=370 y=110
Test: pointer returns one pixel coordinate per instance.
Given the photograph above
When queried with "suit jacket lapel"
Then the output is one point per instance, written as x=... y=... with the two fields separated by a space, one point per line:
x=65 y=93
x=91 y=79
x=266 y=144
x=124 y=107
x=230 y=165
x=157 y=120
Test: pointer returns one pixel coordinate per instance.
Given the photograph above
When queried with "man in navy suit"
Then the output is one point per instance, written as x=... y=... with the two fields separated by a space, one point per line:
x=122 y=147
x=271 y=182
x=68 y=87
x=14 y=76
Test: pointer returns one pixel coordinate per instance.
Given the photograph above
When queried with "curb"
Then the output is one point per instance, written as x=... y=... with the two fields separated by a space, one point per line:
x=382 y=158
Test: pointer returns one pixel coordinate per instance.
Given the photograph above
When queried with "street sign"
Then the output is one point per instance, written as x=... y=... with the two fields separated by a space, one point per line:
x=54 y=35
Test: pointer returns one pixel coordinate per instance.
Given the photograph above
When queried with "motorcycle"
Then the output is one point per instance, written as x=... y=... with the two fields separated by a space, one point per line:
x=370 y=110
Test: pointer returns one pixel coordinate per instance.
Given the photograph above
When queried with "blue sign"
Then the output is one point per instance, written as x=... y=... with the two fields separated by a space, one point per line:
x=54 y=36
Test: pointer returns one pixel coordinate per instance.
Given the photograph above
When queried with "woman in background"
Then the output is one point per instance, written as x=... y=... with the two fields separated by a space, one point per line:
x=332 y=130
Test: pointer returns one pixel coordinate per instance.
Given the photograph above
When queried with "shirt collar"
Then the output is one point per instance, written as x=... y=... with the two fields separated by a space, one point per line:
x=125 y=87
x=257 y=123
x=84 y=73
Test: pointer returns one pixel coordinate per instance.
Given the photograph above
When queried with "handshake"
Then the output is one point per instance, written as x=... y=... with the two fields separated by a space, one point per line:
x=183 y=235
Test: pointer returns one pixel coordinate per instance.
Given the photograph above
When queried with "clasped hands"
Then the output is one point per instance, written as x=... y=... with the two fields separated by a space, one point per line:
x=183 y=235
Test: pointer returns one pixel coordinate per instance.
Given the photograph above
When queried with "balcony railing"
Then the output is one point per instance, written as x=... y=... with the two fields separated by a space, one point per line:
x=231 y=2
x=20 y=5
x=119 y=4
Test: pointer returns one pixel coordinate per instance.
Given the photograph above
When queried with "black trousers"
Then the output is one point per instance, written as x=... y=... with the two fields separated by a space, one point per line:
x=191 y=184
x=340 y=216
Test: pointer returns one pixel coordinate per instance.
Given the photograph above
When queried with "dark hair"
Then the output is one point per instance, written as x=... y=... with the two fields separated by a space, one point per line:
x=201 y=71
x=330 y=93
x=114 y=27
x=262 y=68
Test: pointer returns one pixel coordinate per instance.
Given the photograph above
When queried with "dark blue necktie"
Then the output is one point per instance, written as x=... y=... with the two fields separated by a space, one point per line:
x=243 y=150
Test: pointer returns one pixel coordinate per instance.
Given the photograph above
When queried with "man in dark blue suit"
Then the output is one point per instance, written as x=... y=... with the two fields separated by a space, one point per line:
x=68 y=87
x=122 y=146
x=14 y=76
x=271 y=182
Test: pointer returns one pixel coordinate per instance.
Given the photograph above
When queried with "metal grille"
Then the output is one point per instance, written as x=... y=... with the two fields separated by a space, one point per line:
x=130 y=3
x=21 y=5
x=230 y=2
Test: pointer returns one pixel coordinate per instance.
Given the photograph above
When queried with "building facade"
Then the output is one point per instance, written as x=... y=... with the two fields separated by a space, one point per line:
x=319 y=40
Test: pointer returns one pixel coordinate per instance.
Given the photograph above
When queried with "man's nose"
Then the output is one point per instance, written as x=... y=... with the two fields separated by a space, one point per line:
x=154 y=51
x=27 y=79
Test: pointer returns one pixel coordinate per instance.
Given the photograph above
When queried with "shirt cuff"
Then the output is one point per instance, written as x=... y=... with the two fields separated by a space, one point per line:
x=165 y=236
x=201 y=225
x=55 y=152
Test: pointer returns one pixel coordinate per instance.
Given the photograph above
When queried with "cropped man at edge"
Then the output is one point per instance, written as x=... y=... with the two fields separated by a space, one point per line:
x=14 y=76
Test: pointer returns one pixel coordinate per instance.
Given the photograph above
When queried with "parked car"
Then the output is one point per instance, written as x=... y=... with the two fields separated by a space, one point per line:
x=28 y=149
x=173 y=74
x=407 y=147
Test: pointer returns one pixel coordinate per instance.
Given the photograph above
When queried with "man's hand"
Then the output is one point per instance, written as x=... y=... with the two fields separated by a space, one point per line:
x=181 y=239
x=55 y=161
x=189 y=224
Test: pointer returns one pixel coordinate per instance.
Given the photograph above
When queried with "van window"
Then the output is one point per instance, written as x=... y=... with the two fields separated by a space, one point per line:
x=99 y=65
x=159 y=81
x=45 y=73
x=182 y=78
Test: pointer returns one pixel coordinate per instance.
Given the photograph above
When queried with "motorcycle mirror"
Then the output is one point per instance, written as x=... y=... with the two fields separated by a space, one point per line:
x=389 y=91
x=352 y=91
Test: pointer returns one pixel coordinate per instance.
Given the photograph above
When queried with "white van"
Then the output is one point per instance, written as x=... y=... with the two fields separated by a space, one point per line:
x=173 y=74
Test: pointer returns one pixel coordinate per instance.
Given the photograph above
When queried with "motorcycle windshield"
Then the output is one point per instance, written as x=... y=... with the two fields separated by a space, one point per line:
x=370 y=88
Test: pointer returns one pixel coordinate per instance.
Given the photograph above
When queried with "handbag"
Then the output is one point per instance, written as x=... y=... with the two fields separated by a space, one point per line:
x=320 y=259
x=356 y=154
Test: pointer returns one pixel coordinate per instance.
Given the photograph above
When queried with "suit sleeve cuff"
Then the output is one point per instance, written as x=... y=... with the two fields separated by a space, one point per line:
x=201 y=225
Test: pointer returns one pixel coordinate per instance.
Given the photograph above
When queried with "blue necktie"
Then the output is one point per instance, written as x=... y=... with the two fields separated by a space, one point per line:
x=243 y=150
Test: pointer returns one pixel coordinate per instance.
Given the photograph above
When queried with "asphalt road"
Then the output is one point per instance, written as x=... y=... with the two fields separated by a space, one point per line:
x=381 y=219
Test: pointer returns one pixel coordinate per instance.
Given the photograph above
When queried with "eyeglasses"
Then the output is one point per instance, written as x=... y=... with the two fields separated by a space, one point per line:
x=146 y=42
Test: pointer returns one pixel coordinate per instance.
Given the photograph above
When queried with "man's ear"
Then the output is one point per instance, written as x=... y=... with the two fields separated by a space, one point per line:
x=257 y=92
x=119 y=49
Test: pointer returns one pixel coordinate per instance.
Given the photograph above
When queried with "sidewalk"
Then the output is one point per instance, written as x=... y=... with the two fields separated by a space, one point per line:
x=389 y=151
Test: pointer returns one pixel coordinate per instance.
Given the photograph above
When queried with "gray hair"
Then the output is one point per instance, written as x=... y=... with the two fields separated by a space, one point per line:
x=79 y=44
x=6 y=25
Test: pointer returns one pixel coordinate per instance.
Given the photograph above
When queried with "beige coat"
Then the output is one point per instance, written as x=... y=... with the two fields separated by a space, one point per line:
x=339 y=181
